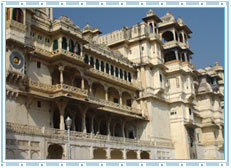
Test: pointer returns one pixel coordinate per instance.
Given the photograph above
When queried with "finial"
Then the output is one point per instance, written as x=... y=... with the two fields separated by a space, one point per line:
x=216 y=63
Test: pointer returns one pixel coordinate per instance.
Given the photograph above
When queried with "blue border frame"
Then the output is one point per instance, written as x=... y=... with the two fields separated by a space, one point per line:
x=96 y=162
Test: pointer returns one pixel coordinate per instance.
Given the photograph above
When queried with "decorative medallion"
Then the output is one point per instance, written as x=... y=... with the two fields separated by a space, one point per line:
x=16 y=60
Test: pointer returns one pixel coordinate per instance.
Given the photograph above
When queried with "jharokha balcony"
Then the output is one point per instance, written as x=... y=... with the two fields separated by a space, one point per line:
x=72 y=92
x=75 y=136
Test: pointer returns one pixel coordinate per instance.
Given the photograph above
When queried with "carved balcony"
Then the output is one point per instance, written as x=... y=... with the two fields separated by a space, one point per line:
x=74 y=135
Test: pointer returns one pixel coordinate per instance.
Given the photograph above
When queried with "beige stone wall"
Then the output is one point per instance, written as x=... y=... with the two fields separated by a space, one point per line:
x=41 y=74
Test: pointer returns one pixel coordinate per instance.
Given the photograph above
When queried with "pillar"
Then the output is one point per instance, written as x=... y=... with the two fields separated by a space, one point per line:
x=90 y=87
x=183 y=37
x=123 y=126
x=185 y=57
x=61 y=69
x=84 y=111
x=91 y=152
x=82 y=80
x=92 y=123
x=125 y=154
x=174 y=35
x=121 y=100
x=62 y=105
x=176 y=53
x=108 y=128
x=106 y=93
x=108 y=153
x=138 y=154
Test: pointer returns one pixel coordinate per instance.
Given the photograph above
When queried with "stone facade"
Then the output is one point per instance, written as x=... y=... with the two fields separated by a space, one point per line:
x=131 y=94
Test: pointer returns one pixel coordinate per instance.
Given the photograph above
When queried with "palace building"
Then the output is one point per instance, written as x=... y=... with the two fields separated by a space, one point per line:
x=131 y=94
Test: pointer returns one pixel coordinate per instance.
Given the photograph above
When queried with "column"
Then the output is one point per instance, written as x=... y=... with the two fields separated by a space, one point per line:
x=138 y=154
x=82 y=80
x=91 y=152
x=108 y=128
x=121 y=100
x=92 y=123
x=123 y=126
x=62 y=105
x=84 y=111
x=61 y=69
x=106 y=93
x=176 y=53
x=185 y=57
x=174 y=35
x=125 y=154
x=220 y=136
x=108 y=153
x=90 y=87
x=183 y=37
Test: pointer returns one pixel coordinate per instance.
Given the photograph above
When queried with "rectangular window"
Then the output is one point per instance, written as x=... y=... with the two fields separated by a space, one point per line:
x=129 y=102
x=115 y=100
x=38 y=64
x=38 y=104
x=117 y=72
x=129 y=77
x=112 y=70
x=190 y=111
x=121 y=74
x=107 y=68
x=97 y=64
x=102 y=66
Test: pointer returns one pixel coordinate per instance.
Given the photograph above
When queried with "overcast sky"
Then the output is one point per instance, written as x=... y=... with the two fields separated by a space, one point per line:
x=207 y=25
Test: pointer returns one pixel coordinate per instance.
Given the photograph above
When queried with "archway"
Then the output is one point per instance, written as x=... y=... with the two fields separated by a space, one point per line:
x=103 y=128
x=113 y=95
x=116 y=154
x=144 y=155
x=56 y=119
x=98 y=90
x=55 y=151
x=126 y=98
x=167 y=36
x=169 y=56
x=99 y=153
x=118 y=130
x=131 y=154
x=77 y=81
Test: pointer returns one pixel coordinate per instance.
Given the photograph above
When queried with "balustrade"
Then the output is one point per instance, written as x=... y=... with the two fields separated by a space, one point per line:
x=51 y=132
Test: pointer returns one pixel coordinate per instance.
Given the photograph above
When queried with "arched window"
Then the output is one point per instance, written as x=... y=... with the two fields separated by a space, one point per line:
x=167 y=36
x=129 y=77
x=107 y=68
x=86 y=60
x=64 y=43
x=92 y=61
x=117 y=72
x=121 y=73
x=155 y=27
x=102 y=66
x=18 y=15
x=161 y=77
x=125 y=75
x=77 y=49
x=169 y=56
x=71 y=45
x=150 y=28
x=55 y=45
x=112 y=70
x=97 y=64
x=181 y=38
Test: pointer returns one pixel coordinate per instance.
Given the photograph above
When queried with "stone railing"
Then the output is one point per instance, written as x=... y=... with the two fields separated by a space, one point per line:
x=15 y=26
x=103 y=50
x=52 y=89
x=56 y=88
x=114 y=105
x=67 y=53
x=74 y=135
x=117 y=79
